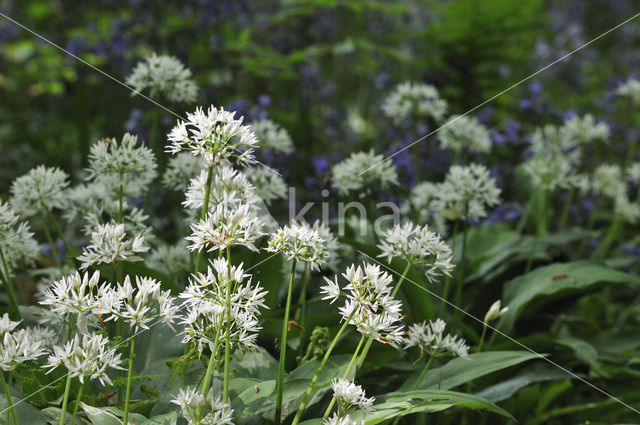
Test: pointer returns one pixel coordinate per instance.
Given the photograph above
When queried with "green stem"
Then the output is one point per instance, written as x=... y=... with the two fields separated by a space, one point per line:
x=303 y=297
x=345 y=375
x=307 y=393
x=447 y=279
x=7 y=392
x=210 y=366
x=227 y=336
x=76 y=405
x=203 y=213
x=541 y=229
x=565 y=211
x=484 y=333
x=127 y=397
x=527 y=212
x=58 y=230
x=612 y=233
x=120 y=204
x=54 y=252
x=463 y=260
x=65 y=400
x=424 y=371
x=283 y=347
x=14 y=311
x=367 y=346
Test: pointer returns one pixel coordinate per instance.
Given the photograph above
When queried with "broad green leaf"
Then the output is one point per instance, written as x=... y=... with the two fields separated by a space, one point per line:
x=25 y=413
x=402 y=403
x=582 y=349
x=506 y=389
x=167 y=419
x=459 y=370
x=556 y=281
x=110 y=415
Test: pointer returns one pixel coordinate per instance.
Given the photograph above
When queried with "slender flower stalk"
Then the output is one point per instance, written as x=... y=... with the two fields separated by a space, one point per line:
x=76 y=405
x=128 y=387
x=14 y=311
x=309 y=389
x=227 y=336
x=65 y=399
x=424 y=371
x=203 y=214
x=54 y=252
x=10 y=413
x=283 y=346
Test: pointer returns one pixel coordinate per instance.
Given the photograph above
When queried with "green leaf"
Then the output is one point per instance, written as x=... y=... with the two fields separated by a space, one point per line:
x=402 y=403
x=110 y=416
x=167 y=419
x=459 y=370
x=508 y=388
x=555 y=281
x=25 y=413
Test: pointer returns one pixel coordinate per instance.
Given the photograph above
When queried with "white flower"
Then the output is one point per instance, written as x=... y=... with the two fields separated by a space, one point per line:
x=549 y=172
x=19 y=347
x=630 y=89
x=272 y=136
x=550 y=141
x=166 y=76
x=585 y=128
x=495 y=312
x=300 y=242
x=335 y=419
x=414 y=100
x=41 y=189
x=467 y=192
x=628 y=210
x=181 y=168
x=608 y=180
x=215 y=135
x=7 y=325
x=633 y=173
x=417 y=245
x=430 y=338
x=465 y=132
x=17 y=244
x=109 y=243
x=267 y=184
x=226 y=227
x=350 y=396
x=205 y=299
x=369 y=305
x=363 y=170
x=73 y=294
x=198 y=410
x=229 y=188
x=139 y=305
x=122 y=166
x=86 y=357
x=421 y=202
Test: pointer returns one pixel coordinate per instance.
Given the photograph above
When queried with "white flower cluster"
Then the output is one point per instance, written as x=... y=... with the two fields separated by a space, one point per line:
x=300 y=242
x=585 y=129
x=417 y=245
x=226 y=227
x=122 y=165
x=630 y=89
x=200 y=410
x=272 y=136
x=414 y=100
x=74 y=294
x=430 y=339
x=139 y=305
x=41 y=189
x=369 y=305
x=89 y=356
x=205 y=299
x=420 y=201
x=465 y=133
x=549 y=172
x=610 y=181
x=181 y=168
x=335 y=419
x=229 y=188
x=467 y=192
x=20 y=346
x=163 y=75
x=17 y=244
x=363 y=170
x=109 y=244
x=350 y=397
x=267 y=184
x=214 y=135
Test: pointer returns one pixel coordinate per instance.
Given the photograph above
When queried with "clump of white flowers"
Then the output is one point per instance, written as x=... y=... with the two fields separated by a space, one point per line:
x=200 y=410
x=41 y=189
x=164 y=76
x=465 y=133
x=181 y=168
x=20 y=347
x=267 y=184
x=363 y=170
x=74 y=294
x=585 y=128
x=17 y=245
x=226 y=227
x=7 y=325
x=350 y=396
x=610 y=181
x=414 y=100
x=110 y=244
x=369 y=305
x=229 y=188
x=272 y=136
x=122 y=168
x=300 y=242
x=431 y=339
x=421 y=203
x=89 y=356
x=205 y=299
x=549 y=172
x=417 y=245
x=215 y=135
x=467 y=192
x=630 y=89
